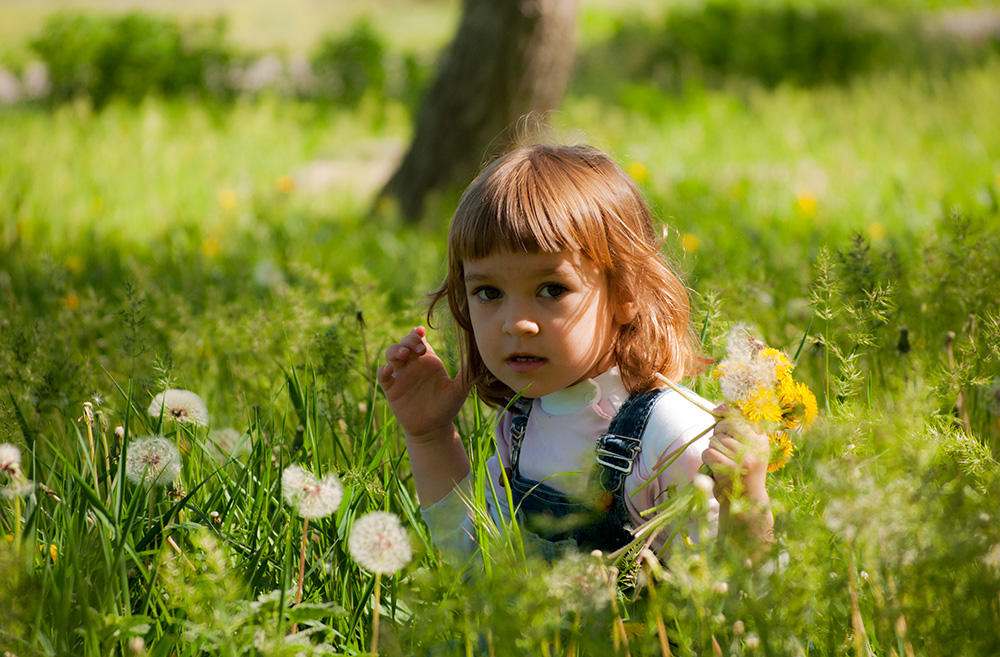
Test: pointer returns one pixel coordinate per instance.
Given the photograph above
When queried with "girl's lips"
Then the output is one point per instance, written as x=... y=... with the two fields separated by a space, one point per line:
x=522 y=364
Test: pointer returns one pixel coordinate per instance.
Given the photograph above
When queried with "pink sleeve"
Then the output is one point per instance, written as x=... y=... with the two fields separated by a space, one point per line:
x=676 y=427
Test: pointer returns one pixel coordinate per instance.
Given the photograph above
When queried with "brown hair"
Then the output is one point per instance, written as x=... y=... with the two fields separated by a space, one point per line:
x=544 y=198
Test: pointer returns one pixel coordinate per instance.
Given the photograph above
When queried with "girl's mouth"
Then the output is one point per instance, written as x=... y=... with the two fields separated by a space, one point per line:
x=521 y=364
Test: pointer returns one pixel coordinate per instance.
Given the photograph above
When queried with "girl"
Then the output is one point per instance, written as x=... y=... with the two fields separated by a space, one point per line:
x=559 y=292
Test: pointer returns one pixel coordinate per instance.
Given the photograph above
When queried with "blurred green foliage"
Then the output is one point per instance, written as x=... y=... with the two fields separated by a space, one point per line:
x=784 y=43
x=350 y=65
x=130 y=56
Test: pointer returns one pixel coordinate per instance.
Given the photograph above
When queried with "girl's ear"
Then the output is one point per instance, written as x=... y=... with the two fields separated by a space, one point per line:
x=625 y=312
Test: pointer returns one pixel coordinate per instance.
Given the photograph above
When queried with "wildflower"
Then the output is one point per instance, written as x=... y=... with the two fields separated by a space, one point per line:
x=210 y=247
x=19 y=488
x=578 y=583
x=752 y=641
x=183 y=406
x=704 y=483
x=153 y=461
x=119 y=432
x=876 y=231
x=10 y=458
x=73 y=263
x=70 y=301
x=690 y=242
x=285 y=184
x=758 y=381
x=638 y=172
x=379 y=543
x=738 y=628
x=721 y=588
x=227 y=199
x=311 y=497
x=805 y=205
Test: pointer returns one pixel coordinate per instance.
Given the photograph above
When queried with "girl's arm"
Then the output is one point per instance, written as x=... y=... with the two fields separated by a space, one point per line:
x=426 y=401
x=737 y=455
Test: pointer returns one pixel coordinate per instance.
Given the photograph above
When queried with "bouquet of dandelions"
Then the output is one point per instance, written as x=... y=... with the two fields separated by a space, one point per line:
x=756 y=381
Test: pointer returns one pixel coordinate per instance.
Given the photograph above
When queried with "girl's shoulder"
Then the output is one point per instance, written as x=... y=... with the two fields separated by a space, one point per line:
x=674 y=420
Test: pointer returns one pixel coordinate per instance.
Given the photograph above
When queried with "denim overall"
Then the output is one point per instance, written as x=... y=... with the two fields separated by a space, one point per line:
x=600 y=521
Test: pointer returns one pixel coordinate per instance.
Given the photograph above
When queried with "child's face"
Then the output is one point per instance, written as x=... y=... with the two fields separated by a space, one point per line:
x=542 y=321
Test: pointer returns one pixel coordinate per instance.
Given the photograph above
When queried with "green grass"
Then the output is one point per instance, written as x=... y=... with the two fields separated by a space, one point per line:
x=151 y=246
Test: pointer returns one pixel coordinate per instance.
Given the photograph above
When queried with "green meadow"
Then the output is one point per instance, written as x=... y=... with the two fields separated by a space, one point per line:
x=232 y=244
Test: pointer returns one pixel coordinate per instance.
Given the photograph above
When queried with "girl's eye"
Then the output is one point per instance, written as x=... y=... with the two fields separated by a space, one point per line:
x=486 y=293
x=552 y=290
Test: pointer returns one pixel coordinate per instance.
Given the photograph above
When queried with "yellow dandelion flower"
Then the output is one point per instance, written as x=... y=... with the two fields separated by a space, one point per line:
x=638 y=171
x=805 y=205
x=53 y=552
x=73 y=263
x=811 y=409
x=228 y=199
x=799 y=406
x=762 y=406
x=70 y=301
x=876 y=231
x=210 y=247
x=782 y=449
x=782 y=366
x=690 y=242
x=285 y=184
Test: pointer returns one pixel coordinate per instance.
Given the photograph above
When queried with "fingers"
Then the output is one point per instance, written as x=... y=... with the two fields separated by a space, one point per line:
x=412 y=344
x=384 y=376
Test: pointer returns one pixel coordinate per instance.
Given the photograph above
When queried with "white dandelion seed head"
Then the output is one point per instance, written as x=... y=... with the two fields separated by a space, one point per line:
x=10 y=458
x=742 y=371
x=579 y=584
x=18 y=489
x=704 y=483
x=120 y=431
x=379 y=543
x=182 y=406
x=309 y=496
x=153 y=461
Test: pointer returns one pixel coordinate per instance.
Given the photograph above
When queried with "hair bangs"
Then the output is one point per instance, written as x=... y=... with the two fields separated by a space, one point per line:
x=530 y=203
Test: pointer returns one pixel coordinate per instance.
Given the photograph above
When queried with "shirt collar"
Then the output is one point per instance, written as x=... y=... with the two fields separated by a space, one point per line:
x=586 y=393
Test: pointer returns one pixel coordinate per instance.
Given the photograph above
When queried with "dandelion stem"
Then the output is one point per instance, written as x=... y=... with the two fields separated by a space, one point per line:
x=683 y=393
x=378 y=591
x=302 y=568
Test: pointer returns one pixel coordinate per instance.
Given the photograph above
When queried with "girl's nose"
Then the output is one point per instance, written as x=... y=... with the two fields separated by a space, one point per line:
x=518 y=323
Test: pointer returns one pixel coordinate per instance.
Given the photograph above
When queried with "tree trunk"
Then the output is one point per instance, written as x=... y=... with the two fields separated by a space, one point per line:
x=509 y=58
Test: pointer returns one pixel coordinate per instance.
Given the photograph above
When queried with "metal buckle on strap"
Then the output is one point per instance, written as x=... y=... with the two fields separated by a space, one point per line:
x=622 y=453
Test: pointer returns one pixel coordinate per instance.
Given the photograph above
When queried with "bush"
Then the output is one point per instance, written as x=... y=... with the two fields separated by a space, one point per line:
x=129 y=56
x=772 y=45
x=348 y=67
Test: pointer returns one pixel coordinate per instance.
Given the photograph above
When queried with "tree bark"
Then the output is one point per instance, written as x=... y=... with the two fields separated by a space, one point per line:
x=509 y=58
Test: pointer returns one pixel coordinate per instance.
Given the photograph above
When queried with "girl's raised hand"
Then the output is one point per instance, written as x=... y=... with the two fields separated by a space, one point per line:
x=421 y=394
x=737 y=451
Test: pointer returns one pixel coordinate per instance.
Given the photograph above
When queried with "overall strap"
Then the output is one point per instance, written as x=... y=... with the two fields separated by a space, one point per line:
x=617 y=448
x=519 y=424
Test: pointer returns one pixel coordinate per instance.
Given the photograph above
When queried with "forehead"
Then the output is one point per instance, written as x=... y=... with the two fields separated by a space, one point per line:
x=512 y=265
